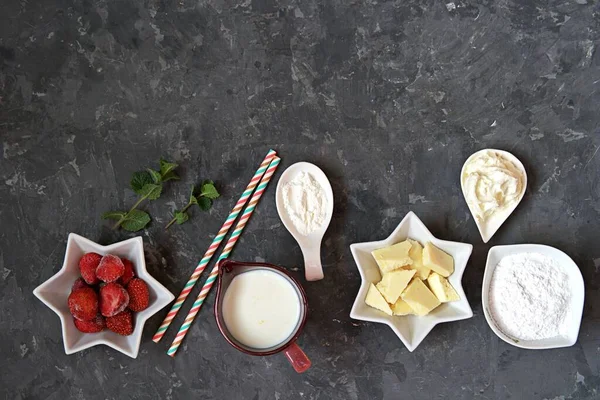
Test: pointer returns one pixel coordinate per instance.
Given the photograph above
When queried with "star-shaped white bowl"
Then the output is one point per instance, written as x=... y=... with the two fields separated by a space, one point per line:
x=411 y=329
x=55 y=292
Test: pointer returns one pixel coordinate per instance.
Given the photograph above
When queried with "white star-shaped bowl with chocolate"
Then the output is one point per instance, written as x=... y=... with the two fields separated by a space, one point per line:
x=411 y=329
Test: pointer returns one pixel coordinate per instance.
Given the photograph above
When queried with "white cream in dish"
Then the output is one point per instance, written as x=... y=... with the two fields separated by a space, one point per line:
x=261 y=308
x=491 y=183
x=305 y=203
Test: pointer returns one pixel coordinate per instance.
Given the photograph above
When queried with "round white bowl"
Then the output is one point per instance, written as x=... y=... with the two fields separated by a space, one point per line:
x=496 y=253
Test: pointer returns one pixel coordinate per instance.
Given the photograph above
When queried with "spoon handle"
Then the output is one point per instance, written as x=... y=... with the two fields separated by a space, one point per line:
x=313 y=269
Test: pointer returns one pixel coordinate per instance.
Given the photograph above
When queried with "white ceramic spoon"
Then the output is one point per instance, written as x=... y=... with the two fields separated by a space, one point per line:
x=309 y=244
x=488 y=228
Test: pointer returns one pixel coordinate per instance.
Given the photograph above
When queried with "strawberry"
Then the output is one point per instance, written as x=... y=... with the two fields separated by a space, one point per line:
x=78 y=284
x=83 y=304
x=93 y=326
x=128 y=274
x=139 y=296
x=121 y=323
x=113 y=299
x=110 y=268
x=87 y=267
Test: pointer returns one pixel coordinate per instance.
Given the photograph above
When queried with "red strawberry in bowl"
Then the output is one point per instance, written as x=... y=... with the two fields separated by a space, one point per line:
x=128 y=274
x=121 y=323
x=110 y=268
x=83 y=303
x=113 y=299
x=78 y=284
x=92 y=326
x=139 y=295
x=87 y=267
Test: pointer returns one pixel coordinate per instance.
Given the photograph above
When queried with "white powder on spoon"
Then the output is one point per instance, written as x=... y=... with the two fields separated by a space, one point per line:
x=305 y=203
x=530 y=297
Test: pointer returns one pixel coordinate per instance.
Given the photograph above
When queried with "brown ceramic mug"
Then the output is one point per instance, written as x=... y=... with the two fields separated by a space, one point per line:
x=228 y=270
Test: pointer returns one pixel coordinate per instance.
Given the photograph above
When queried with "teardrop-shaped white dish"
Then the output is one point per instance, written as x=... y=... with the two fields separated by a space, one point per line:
x=309 y=244
x=490 y=226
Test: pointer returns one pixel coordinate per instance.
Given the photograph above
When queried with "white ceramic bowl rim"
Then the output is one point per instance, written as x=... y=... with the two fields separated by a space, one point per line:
x=496 y=253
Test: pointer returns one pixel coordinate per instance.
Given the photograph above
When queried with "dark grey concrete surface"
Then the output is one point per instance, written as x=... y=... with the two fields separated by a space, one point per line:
x=388 y=97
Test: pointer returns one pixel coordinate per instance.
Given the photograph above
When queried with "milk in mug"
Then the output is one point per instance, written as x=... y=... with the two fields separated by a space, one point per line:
x=261 y=308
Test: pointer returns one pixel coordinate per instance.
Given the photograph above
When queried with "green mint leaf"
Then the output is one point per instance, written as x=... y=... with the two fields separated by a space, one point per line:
x=166 y=167
x=181 y=217
x=156 y=176
x=136 y=220
x=205 y=203
x=209 y=190
x=170 y=175
x=139 y=179
x=113 y=215
x=151 y=191
x=193 y=199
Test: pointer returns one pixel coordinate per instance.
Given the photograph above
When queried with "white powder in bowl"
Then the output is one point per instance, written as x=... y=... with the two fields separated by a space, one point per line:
x=305 y=203
x=530 y=297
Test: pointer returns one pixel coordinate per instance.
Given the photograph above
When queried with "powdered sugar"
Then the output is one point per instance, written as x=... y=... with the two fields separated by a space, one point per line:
x=530 y=296
x=305 y=202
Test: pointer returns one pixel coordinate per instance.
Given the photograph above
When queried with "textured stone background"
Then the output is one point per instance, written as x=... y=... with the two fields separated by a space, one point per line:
x=388 y=97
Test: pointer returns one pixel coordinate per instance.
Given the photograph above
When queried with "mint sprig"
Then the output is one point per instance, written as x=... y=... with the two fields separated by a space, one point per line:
x=148 y=185
x=203 y=198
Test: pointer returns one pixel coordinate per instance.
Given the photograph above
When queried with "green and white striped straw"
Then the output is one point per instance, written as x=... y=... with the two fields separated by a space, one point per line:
x=224 y=254
x=213 y=246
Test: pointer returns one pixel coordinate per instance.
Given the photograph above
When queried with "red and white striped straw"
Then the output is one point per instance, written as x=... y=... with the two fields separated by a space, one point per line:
x=213 y=246
x=224 y=254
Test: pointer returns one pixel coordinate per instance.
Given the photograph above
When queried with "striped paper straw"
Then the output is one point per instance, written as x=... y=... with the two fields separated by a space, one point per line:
x=213 y=246
x=224 y=254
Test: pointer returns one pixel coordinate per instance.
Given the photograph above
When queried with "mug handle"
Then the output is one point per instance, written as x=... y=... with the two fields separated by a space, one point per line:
x=297 y=358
